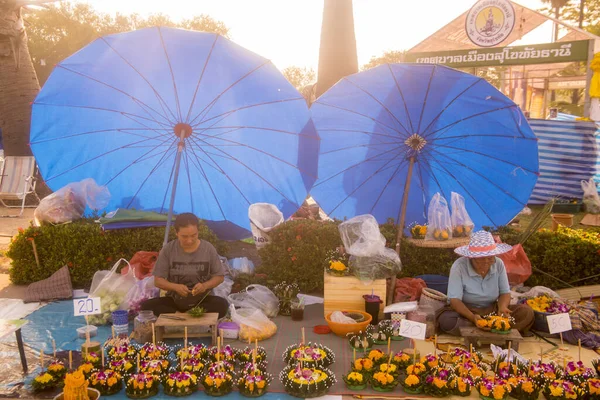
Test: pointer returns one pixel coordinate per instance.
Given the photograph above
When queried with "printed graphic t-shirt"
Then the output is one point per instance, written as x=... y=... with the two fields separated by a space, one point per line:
x=177 y=266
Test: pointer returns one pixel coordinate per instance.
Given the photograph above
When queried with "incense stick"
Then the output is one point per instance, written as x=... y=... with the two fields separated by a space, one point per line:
x=153 y=336
x=54 y=348
x=70 y=360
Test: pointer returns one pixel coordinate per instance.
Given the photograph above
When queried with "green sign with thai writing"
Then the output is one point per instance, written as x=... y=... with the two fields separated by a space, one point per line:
x=499 y=56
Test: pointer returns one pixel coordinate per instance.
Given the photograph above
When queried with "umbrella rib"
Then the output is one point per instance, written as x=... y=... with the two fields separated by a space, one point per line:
x=380 y=103
x=357 y=131
x=210 y=105
x=425 y=99
x=187 y=170
x=369 y=145
x=403 y=99
x=94 y=158
x=251 y=170
x=162 y=42
x=448 y=106
x=260 y=129
x=363 y=183
x=162 y=206
x=403 y=162
x=362 y=115
x=422 y=185
x=200 y=169
x=482 y=176
x=123 y=130
x=488 y=156
x=534 y=139
x=226 y=176
x=131 y=97
x=161 y=101
x=139 y=158
x=212 y=47
x=230 y=112
x=356 y=165
x=437 y=182
x=468 y=118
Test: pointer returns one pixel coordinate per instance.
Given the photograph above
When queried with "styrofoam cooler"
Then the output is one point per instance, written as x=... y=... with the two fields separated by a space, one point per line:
x=263 y=218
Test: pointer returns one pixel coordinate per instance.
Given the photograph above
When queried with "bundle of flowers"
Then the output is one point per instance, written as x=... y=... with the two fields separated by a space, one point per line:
x=363 y=365
x=86 y=369
x=502 y=369
x=154 y=367
x=180 y=384
x=461 y=385
x=377 y=356
x=142 y=385
x=383 y=332
x=469 y=369
x=156 y=351
x=197 y=351
x=430 y=361
x=459 y=355
x=192 y=365
x=217 y=383
x=361 y=340
x=306 y=382
x=107 y=382
x=356 y=380
x=122 y=351
x=122 y=366
x=491 y=388
x=547 y=304
x=76 y=386
x=416 y=369
x=220 y=366
x=383 y=381
x=310 y=355
x=245 y=356
x=92 y=358
x=226 y=353
x=254 y=382
x=402 y=360
x=412 y=384
x=496 y=323
x=437 y=382
x=592 y=387
x=390 y=368
x=58 y=370
x=578 y=373
x=336 y=263
x=524 y=388
x=44 y=381
x=559 y=389
x=542 y=372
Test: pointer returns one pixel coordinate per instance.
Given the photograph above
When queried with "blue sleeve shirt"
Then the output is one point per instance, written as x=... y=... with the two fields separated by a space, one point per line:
x=475 y=291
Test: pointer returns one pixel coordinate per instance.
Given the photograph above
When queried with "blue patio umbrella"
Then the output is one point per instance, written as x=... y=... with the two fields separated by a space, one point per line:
x=175 y=120
x=393 y=136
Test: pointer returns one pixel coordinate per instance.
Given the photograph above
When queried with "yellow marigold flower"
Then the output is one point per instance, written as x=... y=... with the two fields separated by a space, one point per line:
x=261 y=384
x=499 y=392
x=484 y=392
x=375 y=354
x=391 y=368
x=439 y=383
x=148 y=385
x=412 y=380
x=45 y=378
x=572 y=395
x=337 y=266
x=355 y=376
x=56 y=367
x=556 y=391
x=462 y=386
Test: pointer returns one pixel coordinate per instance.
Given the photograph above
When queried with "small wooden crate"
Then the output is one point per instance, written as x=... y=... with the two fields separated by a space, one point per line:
x=346 y=293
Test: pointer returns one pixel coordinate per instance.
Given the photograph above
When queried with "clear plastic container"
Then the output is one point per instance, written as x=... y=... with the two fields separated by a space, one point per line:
x=142 y=326
x=82 y=330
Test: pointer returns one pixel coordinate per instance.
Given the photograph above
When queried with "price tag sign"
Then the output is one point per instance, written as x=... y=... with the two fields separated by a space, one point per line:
x=412 y=329
x=87 y=306
x=559 y=323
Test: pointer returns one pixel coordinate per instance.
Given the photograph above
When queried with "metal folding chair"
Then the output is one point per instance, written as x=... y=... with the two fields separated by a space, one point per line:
x=17 y=180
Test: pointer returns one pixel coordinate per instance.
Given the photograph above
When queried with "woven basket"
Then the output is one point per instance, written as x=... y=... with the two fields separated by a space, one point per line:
x=433 y=299
x=440 y=244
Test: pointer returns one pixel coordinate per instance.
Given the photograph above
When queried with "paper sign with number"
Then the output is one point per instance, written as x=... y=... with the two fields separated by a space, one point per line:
x=559 y=323
x=88 y=306
x=412 y=329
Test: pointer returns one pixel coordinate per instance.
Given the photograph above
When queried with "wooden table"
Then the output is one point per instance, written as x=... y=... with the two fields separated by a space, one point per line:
x=183 y=320
x=473 y=335
x=14 y=326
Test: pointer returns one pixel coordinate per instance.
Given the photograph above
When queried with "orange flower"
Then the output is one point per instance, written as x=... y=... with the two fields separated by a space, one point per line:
x=298 y=237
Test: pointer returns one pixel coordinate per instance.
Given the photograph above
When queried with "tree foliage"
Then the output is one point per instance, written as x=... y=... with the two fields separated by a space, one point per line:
x=60 y=30
x=389 y=57
x=299 y=77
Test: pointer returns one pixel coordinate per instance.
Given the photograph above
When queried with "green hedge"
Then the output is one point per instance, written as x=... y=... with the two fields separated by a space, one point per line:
x=85 y=248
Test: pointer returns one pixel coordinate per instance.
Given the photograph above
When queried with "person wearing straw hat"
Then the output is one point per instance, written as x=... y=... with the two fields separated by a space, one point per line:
x=478 y=286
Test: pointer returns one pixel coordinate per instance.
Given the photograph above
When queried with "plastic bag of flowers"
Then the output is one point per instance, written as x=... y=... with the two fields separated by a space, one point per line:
x=253 y=382
x=306 y=382
x=559 y=389
x=142 y=385
x=356 y=380
x=524 y=388
x=437 y=382
x=217 y=383
x=310 y=355
x=180 y=384
x=107 y=382
x=490 y=388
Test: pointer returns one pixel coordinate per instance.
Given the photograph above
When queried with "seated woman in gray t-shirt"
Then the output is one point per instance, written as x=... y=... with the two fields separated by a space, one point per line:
x=188 y=269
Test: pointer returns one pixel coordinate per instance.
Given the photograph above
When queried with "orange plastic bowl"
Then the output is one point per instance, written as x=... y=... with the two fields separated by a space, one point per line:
x=344 y=329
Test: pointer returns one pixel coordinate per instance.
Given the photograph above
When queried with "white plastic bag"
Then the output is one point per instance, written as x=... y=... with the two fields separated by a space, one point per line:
x=143 y=290
x=340 y=318
x=258 y=297
x=438 y=219
x=69 y=202
x=591 y=200
x=112 y=288
x=254 y=325
x=263 y=218
x=369 y=258
x=462 y=224
x=224 y=289
x=241 y=265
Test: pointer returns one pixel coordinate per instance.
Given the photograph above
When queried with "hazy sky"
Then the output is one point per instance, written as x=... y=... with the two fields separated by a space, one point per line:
x=288 y=31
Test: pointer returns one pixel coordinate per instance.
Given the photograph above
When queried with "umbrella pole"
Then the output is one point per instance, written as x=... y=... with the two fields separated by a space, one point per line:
x=180 y=146
x=390 y=297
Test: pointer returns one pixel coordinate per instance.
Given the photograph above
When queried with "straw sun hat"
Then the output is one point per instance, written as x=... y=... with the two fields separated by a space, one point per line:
x=482 y=244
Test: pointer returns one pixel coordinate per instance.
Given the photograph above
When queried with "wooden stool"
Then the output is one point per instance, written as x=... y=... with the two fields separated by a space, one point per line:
x=179 y=320
x=473 y=335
